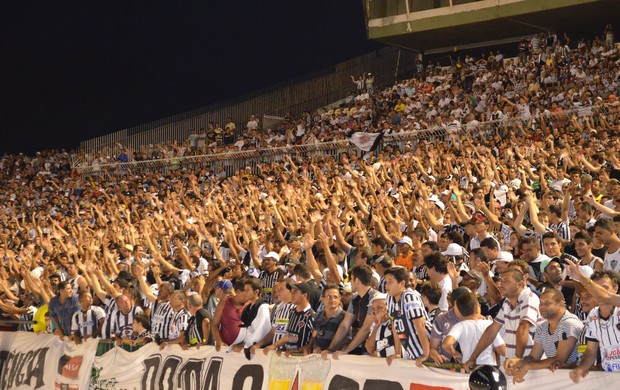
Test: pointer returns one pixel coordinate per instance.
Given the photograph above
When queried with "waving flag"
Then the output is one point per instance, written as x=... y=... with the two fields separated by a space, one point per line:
x=366 y=141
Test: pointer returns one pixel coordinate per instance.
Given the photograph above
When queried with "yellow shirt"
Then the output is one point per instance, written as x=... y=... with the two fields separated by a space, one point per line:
x=39 y=320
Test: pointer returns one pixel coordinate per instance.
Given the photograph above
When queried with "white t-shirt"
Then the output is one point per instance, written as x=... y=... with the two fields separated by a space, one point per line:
x=467 y=333
x=446 y=288
x=612 y=261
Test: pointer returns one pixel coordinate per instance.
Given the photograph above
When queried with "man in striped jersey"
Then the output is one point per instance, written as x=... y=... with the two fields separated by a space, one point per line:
x=161 y=312
x=88 y=321
x=556 y=338
x=280 y=314
x=122 y=323
x=518 y=316
x=606 y=234
x=383 y=339
x=301 y=322
x=409 y=318
x=270 y=275
x=180 y=319
x=107 y=293
x=199 y=325
x=603 y=330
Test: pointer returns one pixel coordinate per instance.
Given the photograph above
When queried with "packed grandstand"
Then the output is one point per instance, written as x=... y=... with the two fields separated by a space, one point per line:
x=492 y=177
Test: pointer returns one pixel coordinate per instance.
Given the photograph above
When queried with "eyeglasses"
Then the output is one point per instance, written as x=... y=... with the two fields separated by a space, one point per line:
x=332 y=297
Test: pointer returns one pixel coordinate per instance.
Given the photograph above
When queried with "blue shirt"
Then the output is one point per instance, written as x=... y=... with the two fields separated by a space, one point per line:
x=63 y=313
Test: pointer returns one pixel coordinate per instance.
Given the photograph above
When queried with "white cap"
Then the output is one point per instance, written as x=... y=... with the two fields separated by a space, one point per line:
x=437 y=202
x=453 y=249
x=501 y=194
x=377 y=297
x=504 y=256
x=405 y=240
x=273 y=255
x=515 y=184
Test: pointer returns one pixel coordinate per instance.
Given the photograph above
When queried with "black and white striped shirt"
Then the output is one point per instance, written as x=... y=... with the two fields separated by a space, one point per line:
x=569 y=326
x=161 y=317
x=408 y=308
x=123 y=323
x=384 y=340
x=28 y=316
x=194 y=333
x=606 y=332
x=87 y=322
x=300 y=327
x=178 y=325
x=562 y=228
x=268 y=280
x=110 y=308
x=280 y=315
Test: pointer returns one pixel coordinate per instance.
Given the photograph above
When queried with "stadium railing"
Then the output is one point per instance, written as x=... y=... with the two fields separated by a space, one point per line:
x=232 y=162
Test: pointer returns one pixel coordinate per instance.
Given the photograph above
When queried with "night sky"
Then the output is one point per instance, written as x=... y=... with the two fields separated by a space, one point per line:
x=71 y=71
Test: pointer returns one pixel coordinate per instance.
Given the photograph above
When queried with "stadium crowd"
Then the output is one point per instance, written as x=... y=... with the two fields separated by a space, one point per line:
x=455 y=250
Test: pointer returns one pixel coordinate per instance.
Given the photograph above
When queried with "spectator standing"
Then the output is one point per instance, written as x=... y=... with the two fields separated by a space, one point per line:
x=88 y=321
x=301 y=323
x=327 y=320
x=468 y=331
x=410 y=320
x=518 y=316
x=62 y=307
x=180 y=319
x=556 y=338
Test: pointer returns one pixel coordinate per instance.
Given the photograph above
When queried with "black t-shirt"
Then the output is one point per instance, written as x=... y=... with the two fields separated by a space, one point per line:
x=600 y=252
x=194 y=333
x=315 y=296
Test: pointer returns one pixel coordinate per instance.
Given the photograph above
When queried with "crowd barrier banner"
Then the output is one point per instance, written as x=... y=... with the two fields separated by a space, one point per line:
x=30 y=361
x=40 y=361
x=173 y=368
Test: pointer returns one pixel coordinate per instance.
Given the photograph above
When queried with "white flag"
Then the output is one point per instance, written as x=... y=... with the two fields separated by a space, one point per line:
x=366 y=141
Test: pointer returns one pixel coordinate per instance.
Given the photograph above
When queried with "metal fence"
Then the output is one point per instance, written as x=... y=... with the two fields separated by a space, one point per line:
x=230 y=163
x=314 y=91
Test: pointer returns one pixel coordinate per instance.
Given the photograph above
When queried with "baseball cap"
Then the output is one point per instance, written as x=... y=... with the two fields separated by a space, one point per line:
x=377 y=297
x=546 y=262
x=303 y=287
x=405 y=240
x=453 y=249
x=292 y=261
x=473 y=274
x=273 y=255
x=504 y=256
x=479 y=217
x=437 y=202
x=347 y=288
x=224 y=284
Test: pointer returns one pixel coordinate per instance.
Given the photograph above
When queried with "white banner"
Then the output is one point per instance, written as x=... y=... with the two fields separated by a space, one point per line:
x=40 y=361
x=30 y=361
x=151 y=369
